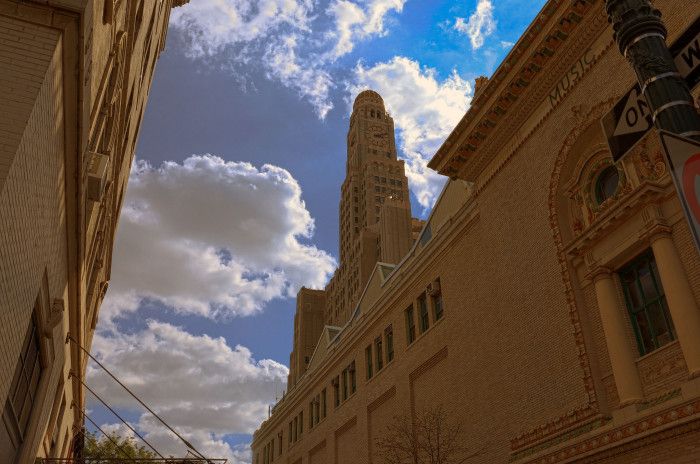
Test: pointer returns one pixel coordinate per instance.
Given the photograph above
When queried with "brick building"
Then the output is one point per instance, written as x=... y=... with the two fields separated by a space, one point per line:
x=74 y=80
x=550 y=303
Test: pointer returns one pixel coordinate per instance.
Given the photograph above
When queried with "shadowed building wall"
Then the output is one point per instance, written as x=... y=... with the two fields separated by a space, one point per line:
x=75 y=77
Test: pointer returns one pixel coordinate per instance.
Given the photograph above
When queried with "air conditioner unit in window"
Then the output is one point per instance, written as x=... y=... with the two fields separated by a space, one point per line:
x=434 y=288
x=97 y=175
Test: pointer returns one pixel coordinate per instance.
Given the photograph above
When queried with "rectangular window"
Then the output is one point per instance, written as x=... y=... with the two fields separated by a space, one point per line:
x=646 y=303
x=437 y=306
x=22 y=395
x=279 y=449
x=368 y=361
x=311 y=414
x=289 y=435
x=345 y=384
x=301 y=422
x=353 y=378
x=410 y=325
x=317 y=409
x=389 y=342
x=423 y=317
x=336 y=391
x=379 y=353
x=323 y=403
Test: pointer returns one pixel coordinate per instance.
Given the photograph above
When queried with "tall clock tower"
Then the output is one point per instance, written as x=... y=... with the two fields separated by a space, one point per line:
x=375 y=217
x=375 y=226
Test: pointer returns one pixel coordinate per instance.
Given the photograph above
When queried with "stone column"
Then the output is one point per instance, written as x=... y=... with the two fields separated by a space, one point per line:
x=680 y=298
x=622 y=356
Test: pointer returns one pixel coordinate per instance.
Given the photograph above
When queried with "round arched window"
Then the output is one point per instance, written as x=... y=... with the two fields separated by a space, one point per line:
x=606 y=184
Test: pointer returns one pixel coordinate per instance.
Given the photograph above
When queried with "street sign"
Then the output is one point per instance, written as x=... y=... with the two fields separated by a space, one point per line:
x=683 y=157
x=630 y=119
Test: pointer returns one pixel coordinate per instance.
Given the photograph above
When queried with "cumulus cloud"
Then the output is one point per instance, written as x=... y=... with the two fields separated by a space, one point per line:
x=294 y=42
x=480 y=25
x=213 y=25
x=308 y=79
x=199 y=385
x=358 y=21
x=425 y=111
x=213 y=238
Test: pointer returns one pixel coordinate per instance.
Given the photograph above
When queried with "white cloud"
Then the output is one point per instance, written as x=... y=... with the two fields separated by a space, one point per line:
x=358 y=21
x=212 y=238
x=425 y=111
x=480 y=25
x=199 y=385
x=294 y=41
x=212 y=25
x=309 y=80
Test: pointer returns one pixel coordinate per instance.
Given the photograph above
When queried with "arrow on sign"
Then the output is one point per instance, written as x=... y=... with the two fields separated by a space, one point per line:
x=635 y=117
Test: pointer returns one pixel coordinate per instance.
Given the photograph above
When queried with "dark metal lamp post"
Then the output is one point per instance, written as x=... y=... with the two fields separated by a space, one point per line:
x=641 y=36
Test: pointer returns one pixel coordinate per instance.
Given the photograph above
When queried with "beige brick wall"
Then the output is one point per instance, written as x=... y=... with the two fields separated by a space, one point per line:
x=505 y=359
x=26 y=51
x=32 y=215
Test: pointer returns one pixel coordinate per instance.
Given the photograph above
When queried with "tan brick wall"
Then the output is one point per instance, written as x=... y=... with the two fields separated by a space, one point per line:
x=54 y=78
x=25 y=54
x=507 y=356
x=32 y=215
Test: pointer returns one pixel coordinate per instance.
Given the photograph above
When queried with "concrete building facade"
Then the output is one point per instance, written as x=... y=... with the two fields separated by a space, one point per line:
x=550 y=304
x=75 y=76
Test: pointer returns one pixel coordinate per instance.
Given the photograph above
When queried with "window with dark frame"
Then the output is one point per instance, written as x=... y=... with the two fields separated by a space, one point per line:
x=389 y=343
x=423 y=317
x=22 y=395
x=368 y=361
x=323 y=403
x=336 y=391
x=606 y=184
x=345 y=384
x=410 y=325
x=353 y=378
x=379 y=353
x=646 y=303
x=437 y=306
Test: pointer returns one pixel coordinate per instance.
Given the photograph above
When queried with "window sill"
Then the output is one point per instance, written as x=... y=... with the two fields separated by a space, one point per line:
x=428 y=330
x=657 y=351
x=376 y=374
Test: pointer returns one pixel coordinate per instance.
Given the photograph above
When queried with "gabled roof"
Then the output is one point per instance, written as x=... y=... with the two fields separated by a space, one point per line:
x=327 y=337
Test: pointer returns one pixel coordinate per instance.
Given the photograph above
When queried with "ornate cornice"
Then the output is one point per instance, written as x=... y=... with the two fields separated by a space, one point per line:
x=662 y=421
x=627 y=206
x=509 y=89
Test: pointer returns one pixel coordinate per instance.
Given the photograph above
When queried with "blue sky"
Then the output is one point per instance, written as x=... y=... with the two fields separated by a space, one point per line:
x=232 y=205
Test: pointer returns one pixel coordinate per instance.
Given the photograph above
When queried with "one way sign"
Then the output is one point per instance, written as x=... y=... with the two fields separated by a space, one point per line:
x=630 y=119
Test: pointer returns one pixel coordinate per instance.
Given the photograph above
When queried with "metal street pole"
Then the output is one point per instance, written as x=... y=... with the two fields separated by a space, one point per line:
x=641 y=35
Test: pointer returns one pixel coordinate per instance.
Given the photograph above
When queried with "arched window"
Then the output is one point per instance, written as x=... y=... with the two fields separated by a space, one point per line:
x=606 y=184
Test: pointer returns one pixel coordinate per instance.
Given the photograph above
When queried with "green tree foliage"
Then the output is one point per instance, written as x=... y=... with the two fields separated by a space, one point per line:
x=101 y=447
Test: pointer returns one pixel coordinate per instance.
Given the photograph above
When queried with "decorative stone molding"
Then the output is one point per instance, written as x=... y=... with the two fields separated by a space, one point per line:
x=55 y=316
x=451 y=164
x=647 y=425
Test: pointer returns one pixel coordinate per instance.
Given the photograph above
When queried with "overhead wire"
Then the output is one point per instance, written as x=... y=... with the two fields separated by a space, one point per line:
x=120 y=418
x=133 y=395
